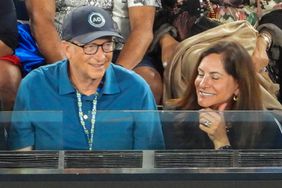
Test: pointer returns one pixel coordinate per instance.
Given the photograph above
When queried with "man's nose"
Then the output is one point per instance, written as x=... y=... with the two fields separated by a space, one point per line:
x=100 y=54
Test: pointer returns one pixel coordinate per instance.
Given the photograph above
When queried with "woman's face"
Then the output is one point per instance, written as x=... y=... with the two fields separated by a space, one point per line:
x=213 y=85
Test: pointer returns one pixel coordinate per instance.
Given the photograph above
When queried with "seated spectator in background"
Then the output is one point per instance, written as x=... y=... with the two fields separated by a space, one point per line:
x=46 y=19
x=8 y=42
x=178 y=73
x=270 y=30
x=224 y=79
x=179 y=20
x=86 y=82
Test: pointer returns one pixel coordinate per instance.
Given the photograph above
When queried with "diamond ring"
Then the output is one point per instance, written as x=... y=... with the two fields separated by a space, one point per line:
x=207 y=123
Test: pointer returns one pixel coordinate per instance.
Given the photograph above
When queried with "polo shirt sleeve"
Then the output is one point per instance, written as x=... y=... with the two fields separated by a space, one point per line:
x=148 y=130
x=21 y=133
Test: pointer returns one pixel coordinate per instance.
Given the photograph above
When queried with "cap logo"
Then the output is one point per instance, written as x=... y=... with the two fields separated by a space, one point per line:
x=96 y=19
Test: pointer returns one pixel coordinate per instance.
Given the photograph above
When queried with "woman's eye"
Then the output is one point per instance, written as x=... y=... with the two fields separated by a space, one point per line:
x=215 y=78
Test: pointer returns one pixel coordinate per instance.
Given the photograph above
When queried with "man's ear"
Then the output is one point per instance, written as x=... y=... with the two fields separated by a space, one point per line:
x=66 y=48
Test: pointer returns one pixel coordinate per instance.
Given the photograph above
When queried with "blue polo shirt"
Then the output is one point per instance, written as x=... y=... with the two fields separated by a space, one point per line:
x=124 y=120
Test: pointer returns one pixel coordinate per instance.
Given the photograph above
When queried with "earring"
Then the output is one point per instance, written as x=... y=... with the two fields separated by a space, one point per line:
x=235 y=98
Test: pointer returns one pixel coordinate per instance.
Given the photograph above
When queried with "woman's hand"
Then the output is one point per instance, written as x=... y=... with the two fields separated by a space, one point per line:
x=212 y=122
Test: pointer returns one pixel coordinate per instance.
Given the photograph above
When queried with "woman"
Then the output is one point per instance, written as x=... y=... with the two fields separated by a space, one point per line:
x=225 y=79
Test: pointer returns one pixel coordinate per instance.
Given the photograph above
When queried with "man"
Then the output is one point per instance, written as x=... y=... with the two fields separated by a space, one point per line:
x=133 y=18
x=81 y=86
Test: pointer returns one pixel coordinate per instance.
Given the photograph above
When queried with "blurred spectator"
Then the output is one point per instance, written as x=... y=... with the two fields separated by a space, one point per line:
x=9 y=78
x=8 y=42
x=270 y=29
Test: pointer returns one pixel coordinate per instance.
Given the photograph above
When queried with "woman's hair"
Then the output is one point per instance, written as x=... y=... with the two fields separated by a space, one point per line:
x=237 y=63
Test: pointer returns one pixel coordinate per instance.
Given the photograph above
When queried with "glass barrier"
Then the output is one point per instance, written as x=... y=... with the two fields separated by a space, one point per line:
x=142 y=130
x=142 y=139
x=215 y=130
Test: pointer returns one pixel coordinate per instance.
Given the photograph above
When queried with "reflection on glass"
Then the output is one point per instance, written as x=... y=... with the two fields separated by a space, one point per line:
x=141 y=130
x=244 y=129
x=114 y=130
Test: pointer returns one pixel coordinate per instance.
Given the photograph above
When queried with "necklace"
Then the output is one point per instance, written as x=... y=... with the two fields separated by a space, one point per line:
x=83 y=117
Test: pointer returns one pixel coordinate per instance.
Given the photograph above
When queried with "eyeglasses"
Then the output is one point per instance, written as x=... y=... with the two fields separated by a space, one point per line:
x=91 y=49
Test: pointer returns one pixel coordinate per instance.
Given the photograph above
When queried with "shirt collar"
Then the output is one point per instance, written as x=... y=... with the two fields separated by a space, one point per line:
x=111 y=85
x=65 y=85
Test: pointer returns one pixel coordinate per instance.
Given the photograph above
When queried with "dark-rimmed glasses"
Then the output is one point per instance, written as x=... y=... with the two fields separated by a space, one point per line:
x=91 y=49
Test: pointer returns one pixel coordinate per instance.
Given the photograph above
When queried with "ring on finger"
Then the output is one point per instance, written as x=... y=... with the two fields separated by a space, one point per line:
x=207 y=123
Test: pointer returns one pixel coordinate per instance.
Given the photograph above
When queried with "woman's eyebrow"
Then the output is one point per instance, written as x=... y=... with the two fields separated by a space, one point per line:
x=213 y=72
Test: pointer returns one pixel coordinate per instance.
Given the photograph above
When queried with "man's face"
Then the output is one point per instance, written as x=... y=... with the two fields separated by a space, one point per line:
x=87 y=64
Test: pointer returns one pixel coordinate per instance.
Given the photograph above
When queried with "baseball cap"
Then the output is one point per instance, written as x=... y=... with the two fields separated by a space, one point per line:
x=87 y=23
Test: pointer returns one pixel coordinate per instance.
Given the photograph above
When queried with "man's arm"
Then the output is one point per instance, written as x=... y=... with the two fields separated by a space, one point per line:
x=141 y=35
x=21 y=132
x=4 y=49
x=148 y=132
x=42 y=16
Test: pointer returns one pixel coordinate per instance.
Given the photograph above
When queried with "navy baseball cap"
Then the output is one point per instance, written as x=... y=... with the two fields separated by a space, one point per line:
x=87 y=23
